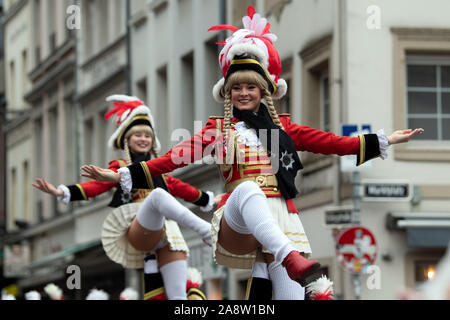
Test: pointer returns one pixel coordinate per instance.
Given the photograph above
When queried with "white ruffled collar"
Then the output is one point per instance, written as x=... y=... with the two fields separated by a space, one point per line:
x=247 y=135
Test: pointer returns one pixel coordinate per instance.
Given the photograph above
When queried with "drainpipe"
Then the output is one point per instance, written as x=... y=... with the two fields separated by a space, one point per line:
x=77 y=108
x=128 y=48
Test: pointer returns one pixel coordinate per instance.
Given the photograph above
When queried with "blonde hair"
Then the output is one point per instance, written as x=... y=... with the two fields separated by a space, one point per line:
x=138 y=128
x=247 y=76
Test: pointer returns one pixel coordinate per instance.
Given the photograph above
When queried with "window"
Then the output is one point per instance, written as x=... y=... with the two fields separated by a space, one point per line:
x=421 y=91
x=141 y=87
x=212 y=75
x=325 y=103
x=187 y=94
x=37 y=31
x=428 y=96
x=26 y=191
x=316 y=96
x=24 y=72
x=13 y=197
x=160 y=110
x=51 y=25
x=12 y=86
x=88 y=33
x=424 y=271
x=88 y=143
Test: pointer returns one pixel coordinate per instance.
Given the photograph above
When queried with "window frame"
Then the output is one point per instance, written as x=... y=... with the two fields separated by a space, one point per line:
x=415 y=41
x=438 y=62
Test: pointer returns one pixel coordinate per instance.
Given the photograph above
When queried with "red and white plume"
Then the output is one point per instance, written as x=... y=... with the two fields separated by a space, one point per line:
x=54 y=292
x=126 y=108
x=129 y=294
x=124 y=105
x=255 y=38
x=194 y=278
x=321 y=289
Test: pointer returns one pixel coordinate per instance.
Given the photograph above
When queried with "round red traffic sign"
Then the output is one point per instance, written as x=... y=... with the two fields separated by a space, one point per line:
x=356 y=249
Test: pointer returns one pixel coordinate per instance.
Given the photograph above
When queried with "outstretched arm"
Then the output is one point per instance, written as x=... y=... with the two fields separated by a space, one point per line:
x=47 y=187
x=141 y=174
x=366 y=146
x=80 y=191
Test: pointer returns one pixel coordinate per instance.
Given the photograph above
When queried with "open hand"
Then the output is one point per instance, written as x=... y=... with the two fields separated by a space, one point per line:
x=401 y=136
x=47 y=187
x=99 y=174
x=218 y=198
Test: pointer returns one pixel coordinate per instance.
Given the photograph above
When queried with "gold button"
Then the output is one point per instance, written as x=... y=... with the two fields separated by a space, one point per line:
x=261 y=181
x=275 y=189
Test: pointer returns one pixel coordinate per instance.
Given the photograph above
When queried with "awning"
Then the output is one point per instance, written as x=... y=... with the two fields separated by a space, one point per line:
x=423 y=229
x=66 y=254
x=49 y=268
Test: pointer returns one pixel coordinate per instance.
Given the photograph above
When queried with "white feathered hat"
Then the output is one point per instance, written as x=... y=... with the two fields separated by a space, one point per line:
x=129 y=111
x=250 y=48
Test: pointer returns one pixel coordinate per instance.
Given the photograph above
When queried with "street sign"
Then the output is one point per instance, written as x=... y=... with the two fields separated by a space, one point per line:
x=356 y=249
x=338 y=216
x=386 y=190
x=348 y=163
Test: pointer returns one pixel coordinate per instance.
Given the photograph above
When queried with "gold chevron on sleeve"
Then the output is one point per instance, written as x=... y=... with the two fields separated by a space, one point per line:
x=82 y=191
x=148 y=175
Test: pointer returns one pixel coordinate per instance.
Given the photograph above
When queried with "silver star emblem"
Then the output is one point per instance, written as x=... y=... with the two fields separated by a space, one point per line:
x=287 y=161
x=126 y=197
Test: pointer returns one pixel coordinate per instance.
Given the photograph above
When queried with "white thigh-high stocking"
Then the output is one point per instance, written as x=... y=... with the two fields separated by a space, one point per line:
x=160 y=204
x=174 y=275
x=284 y=288
x=259 y=270
x=247 y=212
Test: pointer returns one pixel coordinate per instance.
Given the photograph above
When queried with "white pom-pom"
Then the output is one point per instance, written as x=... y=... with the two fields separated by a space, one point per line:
x=53 y=291
x=96 y=294
x=195 y=276
x=321 y=289
x=32 y=295
x=281 y=89
x=216 y=90
x=129 y=294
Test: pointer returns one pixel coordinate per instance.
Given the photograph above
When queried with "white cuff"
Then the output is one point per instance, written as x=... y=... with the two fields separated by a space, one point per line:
x=210 y=204
x=384 y=143
x=125 y=179
x=66 y=197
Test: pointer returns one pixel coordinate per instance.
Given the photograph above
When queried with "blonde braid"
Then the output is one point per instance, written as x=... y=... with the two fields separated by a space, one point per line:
x=227 y=115
x=271 y=109
x=126 y=149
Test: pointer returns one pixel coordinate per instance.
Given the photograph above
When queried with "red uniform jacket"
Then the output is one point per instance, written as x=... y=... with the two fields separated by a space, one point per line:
x=177 y=188
x=208 y=141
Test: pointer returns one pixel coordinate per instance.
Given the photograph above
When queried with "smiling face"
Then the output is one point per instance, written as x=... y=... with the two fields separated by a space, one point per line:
x=140 y=140
x=246 y=89
x=246 y=96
